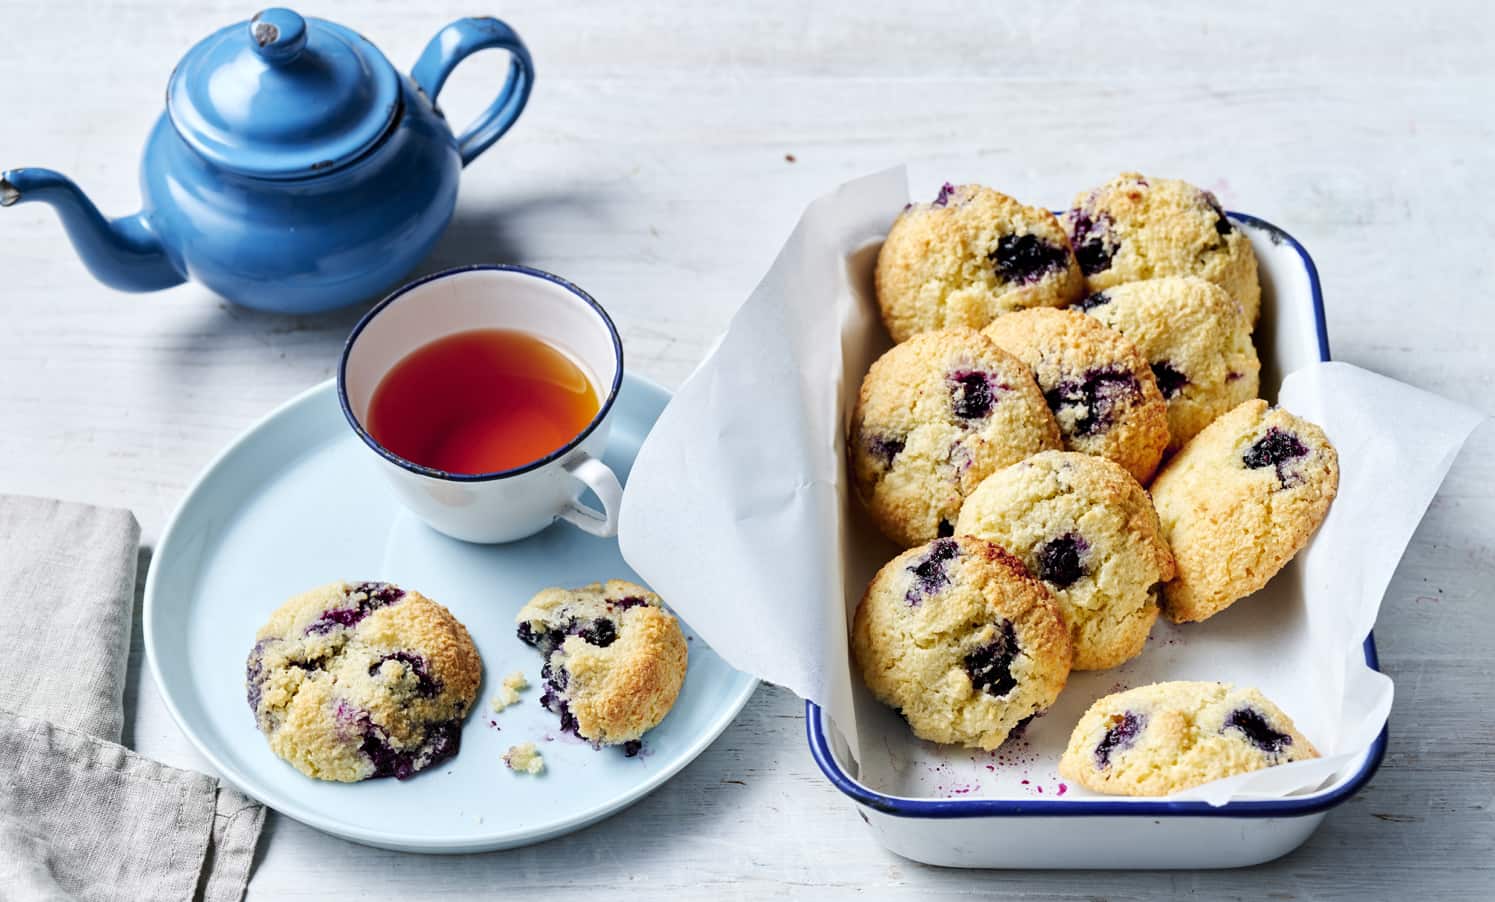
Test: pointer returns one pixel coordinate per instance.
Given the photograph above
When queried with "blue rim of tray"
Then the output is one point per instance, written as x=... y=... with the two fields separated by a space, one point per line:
x=820 y=747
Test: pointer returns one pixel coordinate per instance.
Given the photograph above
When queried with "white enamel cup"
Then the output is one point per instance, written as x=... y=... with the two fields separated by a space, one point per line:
x=509 y=504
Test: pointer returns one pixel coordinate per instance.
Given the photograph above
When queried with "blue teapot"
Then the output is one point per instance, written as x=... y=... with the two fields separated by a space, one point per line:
x=294 y=169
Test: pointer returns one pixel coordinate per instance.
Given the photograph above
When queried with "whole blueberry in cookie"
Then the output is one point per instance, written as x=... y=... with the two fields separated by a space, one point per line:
x=1090 y=233
x=935 y=415
x=352 y=681
x=1091 y=301
x=1278 y=449
x=1120 y=735
x=1060 y=560
x=1091 y=400
x=1024 y=259
x=930 y=570
x=1160 y=739
x=989 y=665
x=940 y=266
x=1133 y=229
x=1255 y=471
x=615 y=659
x=1254 y=725
x=1099 y=386
x=982 y=652
x=1171 y=379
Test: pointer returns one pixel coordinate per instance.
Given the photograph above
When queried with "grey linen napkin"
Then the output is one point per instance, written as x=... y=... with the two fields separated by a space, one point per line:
x=81 y=816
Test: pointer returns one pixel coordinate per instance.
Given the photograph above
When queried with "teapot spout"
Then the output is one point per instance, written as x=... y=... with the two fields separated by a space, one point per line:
x=123 y=253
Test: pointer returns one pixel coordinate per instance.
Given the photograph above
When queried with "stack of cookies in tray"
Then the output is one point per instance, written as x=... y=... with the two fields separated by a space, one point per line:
x=1067 y=439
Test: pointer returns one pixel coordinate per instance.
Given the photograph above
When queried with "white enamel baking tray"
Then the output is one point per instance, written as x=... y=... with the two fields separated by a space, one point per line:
x=1016 y=824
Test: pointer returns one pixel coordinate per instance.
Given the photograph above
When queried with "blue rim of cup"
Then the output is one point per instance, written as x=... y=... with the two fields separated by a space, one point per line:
x=901 y=806
x=602 y=410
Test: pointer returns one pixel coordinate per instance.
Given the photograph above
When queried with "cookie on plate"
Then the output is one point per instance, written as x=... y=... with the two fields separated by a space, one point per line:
x=1096 y=382
x=1238 y=502
x=1159 y=739
x=1134 y=228
x=936 y=414
x=615 y=659
x=962 y=640
x=1196 y=340
x=969 y=257
x=1086 y=528
x=356 y=680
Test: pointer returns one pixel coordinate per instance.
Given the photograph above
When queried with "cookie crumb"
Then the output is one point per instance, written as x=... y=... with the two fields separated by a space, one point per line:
x=508 y=691
x=524 y=759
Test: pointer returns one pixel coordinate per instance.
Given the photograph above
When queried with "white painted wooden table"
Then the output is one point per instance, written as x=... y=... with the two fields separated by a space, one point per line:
x=666 y=153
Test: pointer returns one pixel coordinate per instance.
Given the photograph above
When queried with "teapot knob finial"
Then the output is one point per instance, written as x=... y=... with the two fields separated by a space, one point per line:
x=278 y=34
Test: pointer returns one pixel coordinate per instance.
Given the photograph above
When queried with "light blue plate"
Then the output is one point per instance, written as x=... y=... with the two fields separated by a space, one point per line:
x=297 y=502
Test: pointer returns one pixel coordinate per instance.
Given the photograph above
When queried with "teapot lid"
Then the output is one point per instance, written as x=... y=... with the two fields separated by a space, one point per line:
x=282 y=97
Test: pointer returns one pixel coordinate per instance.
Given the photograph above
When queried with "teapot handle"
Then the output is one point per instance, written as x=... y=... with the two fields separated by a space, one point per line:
x=455 y=43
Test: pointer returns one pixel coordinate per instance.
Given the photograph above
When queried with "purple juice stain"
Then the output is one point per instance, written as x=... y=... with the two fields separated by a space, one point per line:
x=1025 y=259
x=1099 y=392
x=943 y=198
x=254 y=675
x=930 y=572
x=990 y=666
x=1257 y=731
x=1121 y=736
x=441 y=740
x=375 y=596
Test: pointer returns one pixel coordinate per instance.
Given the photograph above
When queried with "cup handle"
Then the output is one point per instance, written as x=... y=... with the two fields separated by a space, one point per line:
x=595 y=475
x=457 y=42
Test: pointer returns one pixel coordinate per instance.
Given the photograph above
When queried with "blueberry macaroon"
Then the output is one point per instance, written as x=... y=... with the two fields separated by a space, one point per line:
x=1135 y=228
x=1101 y=389
x=351 y=681
x=935 y=416
x=615 y=659
x=1087 y=529
x=962 y=641
x=1160 y=739
x=1238 y=502
x=968 y=257
x=1195 y=338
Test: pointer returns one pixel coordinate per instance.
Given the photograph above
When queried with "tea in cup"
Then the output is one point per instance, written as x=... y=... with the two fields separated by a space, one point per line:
x=486 y=392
